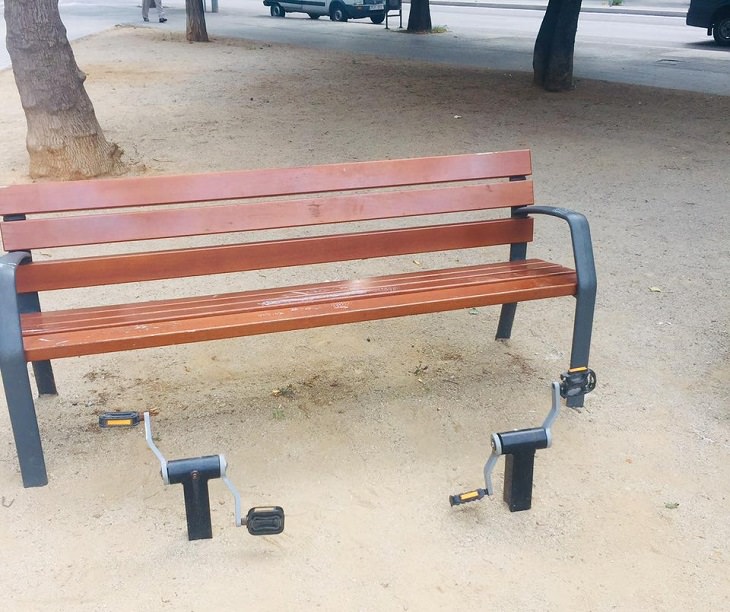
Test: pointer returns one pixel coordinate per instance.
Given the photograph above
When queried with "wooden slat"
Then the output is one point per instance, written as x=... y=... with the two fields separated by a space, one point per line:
x=142 y=191
x=93 y=271
x=262 y=299
x=181 y=321
x=207 y=220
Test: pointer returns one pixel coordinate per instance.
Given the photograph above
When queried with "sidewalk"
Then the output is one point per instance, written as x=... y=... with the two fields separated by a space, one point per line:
x=659 y=8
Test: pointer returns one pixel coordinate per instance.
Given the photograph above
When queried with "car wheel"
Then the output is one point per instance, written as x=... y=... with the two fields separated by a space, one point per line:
x=337 y=13
x=721 y=31
x=312 y=16
x=277 y=11
x=378 y=19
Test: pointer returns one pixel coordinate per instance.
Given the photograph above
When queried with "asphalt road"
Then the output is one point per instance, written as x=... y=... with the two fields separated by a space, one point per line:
x=646 y=49
x=641 y=49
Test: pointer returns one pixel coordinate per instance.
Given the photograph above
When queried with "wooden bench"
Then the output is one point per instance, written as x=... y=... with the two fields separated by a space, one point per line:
x=437 y=191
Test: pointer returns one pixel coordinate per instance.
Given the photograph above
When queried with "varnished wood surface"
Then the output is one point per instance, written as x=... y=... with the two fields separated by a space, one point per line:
x=143 y=191
x=107 y=270
x=218 y=219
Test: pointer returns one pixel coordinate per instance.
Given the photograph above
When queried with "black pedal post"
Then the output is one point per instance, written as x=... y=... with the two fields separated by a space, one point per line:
x=519 y=449
x=193 y=474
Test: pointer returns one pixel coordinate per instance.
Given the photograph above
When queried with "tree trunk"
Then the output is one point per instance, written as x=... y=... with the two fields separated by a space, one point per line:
x=552 y=61
x=64 y=138
x=196 y=30
x=419 y=16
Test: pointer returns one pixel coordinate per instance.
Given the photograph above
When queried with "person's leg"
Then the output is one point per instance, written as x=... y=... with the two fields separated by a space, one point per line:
x=146 y=10
x=160 y=10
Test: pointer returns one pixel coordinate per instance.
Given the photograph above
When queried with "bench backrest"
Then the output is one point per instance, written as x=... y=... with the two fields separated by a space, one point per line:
x=69 y=214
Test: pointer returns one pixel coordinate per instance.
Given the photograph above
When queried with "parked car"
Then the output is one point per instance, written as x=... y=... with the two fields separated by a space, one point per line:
x=338 y=10
x=713 y=15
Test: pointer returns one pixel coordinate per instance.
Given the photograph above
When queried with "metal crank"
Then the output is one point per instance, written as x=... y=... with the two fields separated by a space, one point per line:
x=519 y=448
x=193 y=474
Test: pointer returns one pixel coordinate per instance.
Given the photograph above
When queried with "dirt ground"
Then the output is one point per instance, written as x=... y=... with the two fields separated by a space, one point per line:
x=380 y=422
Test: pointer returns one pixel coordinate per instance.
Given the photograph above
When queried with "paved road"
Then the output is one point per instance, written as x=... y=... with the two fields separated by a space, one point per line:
x=642 y=49
x=642 y=41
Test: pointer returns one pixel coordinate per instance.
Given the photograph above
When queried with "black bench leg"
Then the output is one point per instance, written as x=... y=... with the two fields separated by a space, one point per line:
x=506 y=318
x=517 y=252
x=29 y=302
x=16 y=381
x=23 y=419
x=44 y=379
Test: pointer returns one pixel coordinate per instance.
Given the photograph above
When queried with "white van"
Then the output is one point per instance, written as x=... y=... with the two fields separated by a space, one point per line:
x=338 y=10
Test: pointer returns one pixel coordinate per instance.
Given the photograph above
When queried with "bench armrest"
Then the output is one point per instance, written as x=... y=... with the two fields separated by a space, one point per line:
x=9 y=299
x=14 y=259
x=11 y=304
x=8 y=264
x=580 y=234
x=585 y=293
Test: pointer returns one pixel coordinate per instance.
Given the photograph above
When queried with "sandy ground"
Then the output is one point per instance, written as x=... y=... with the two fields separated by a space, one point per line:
x=381 y=422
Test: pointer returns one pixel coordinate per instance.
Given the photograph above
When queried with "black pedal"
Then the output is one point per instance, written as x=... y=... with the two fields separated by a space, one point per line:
x=119 y=419
x=469 y=496
x=577 y=381
x=265 y=520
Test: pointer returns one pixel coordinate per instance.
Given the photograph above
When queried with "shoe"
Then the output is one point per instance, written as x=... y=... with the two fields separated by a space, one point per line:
x=163 y=19
x=145 y=19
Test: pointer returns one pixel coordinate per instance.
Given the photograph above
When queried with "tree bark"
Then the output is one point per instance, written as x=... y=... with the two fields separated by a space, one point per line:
x=419 y=16
x=196 y=30
x=552 y=60
x=64 y=138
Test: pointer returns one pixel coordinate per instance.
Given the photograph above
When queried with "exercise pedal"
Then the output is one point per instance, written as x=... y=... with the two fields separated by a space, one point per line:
x=519 y=448
x=118 y=419
x=264 y=520
x=465 y=498
x=193 y=474
x=577 y=381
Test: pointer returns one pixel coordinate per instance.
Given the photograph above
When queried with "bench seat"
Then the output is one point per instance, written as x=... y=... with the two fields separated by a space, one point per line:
x=86 y=331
